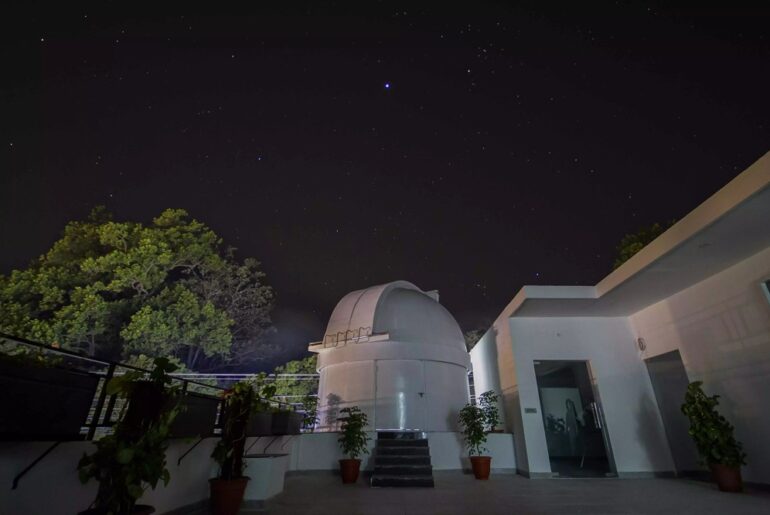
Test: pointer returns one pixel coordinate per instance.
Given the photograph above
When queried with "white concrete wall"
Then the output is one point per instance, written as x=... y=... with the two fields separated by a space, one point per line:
x=321 y=451
x=345 y=385
x=448 y=452
x=267 y=473
x=53 y=488
x=721 y=327
x=493 y=369
x=409 y=371
x=394 y=393
x=635 y=428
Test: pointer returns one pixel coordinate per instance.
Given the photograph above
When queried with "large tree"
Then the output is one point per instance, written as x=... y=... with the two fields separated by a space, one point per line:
x=295 y=389
x=121 y=289
x=634 y=242
x=472 y=337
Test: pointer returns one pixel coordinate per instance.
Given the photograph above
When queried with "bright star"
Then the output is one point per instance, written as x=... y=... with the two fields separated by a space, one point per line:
x=387 y=85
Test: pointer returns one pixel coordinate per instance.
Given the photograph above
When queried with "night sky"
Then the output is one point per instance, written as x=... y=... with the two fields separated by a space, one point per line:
x=471 y=150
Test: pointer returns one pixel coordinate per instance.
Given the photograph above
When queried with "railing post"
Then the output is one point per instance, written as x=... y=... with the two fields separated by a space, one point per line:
x=100 y=402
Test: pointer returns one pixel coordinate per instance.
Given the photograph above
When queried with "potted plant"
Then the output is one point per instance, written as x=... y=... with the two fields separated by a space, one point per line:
x=228 y=488
x=473 y=422
x=713 y=436
x=55 y=400
x=133 y=457
x=352 y=440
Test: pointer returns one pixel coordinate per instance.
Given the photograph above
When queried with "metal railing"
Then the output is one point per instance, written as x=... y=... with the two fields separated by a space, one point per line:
x=105 y=408
x=343 y=337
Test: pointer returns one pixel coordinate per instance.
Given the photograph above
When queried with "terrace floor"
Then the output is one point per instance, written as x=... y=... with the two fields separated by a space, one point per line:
x=319 y=494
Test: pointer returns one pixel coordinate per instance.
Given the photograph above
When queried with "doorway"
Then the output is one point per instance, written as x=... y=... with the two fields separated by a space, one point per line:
x=400 y=392
x=669 y=382
x=575 y=431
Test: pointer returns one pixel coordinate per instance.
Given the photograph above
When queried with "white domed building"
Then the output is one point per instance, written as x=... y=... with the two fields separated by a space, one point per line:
x=396 y=353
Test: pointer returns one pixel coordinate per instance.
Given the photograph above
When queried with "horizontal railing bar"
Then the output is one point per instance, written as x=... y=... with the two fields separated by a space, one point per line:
x=106 y=362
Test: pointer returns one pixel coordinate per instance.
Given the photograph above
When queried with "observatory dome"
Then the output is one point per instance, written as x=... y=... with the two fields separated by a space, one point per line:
x=395 y=352
x=399 y=309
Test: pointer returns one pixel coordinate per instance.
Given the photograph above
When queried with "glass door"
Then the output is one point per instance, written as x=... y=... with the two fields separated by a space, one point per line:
x=575 y=431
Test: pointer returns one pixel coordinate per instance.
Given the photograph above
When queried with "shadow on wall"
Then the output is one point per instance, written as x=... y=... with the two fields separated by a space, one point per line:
x=514 y=420
x=464 y=460
x=332 y=410
x=452 y=420
x=648 y=430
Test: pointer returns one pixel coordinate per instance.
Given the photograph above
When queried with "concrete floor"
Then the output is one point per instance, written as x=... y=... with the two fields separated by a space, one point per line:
x=512 y=495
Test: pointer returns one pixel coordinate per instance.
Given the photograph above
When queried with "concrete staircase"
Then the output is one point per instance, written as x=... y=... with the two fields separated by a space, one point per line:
x=402 y=458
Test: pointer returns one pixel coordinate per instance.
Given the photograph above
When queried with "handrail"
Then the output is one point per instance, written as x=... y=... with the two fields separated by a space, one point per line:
x=110 y=363
x=102 y=416
x=84 y=357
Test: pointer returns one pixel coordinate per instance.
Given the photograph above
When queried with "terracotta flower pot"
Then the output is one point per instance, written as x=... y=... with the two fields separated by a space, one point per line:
x=227 y=495
x=728 y=478
x=481 y=466
x=350 y=469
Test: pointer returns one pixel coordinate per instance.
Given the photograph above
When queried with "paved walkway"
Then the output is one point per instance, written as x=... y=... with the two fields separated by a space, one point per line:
x=456 y=493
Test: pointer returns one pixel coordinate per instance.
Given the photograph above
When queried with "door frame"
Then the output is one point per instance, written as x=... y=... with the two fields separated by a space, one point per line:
x=597 y=402
x=421 y=394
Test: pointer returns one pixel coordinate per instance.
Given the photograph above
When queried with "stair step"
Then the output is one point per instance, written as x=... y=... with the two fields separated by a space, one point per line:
x=400 y=435
x=384 y=480
x=403 y=451
x=404 y=470
x=401 y=460
x=421 y=442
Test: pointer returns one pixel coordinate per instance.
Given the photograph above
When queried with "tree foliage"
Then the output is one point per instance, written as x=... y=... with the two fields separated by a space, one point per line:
x=488 y=404
x=472 y=337
x=297 y=389
x=118 y=289
x=633 y=243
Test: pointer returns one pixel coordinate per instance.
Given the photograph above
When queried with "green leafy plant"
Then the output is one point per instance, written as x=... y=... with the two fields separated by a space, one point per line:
x=239 y=403
x=310 y=409
x=477 y=421
x=488 y=404
x=712 y=433
x=353 y=438
x=264 y=392
x=133 y=457
x=473 y=422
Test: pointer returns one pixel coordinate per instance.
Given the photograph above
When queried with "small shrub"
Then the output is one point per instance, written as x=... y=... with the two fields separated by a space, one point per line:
x=353 y=437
